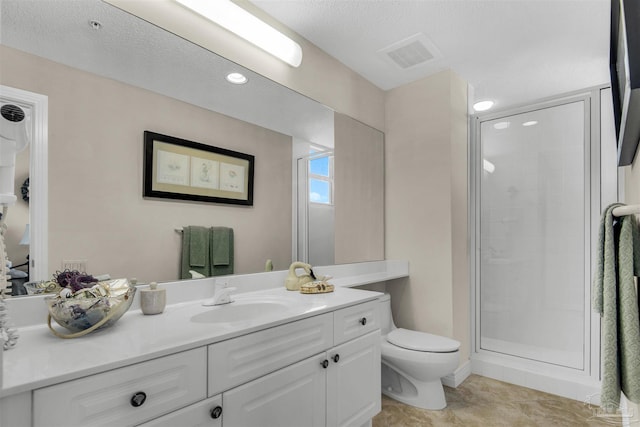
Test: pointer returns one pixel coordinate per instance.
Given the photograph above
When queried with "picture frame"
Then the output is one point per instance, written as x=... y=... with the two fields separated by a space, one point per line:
x=176 y=168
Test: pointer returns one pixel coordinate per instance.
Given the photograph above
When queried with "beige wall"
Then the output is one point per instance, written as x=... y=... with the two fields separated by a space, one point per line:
x=426 y=204
x=632 y=182
x=96 y=209
x=359 y=191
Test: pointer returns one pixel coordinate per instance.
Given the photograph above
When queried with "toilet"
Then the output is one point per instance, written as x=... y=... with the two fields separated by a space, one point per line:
x=414 y=362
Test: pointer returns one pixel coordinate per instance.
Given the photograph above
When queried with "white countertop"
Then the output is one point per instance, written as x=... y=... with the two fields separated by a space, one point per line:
x=41 y=359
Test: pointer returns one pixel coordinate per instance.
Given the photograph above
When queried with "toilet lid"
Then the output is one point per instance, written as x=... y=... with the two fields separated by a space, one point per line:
x=422 y=341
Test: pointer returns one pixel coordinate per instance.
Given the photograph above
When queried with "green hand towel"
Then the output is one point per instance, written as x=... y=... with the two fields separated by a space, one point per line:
x=615 y=298
x=195 y=246
x=199 y=246
x=222 y=251
x=628 y=304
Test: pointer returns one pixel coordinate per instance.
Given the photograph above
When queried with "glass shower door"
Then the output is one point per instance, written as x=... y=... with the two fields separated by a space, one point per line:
x=533 y=199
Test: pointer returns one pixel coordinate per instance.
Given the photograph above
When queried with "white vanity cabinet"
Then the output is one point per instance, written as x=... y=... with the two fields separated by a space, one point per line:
x=322 y=370
x=337 y=387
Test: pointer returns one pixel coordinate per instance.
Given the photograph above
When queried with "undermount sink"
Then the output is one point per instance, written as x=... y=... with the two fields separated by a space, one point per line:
x=239 y=311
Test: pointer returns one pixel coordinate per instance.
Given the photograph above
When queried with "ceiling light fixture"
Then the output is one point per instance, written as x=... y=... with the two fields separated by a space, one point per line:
x=501 y=125
x=240 y=22
x=237 y=78
x=531 y=123
x=482 y=105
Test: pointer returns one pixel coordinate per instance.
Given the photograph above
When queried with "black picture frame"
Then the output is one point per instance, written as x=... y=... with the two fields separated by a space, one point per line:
x=179 y=169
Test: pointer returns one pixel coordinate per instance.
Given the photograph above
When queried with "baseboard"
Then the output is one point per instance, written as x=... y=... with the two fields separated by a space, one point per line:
x=458 y=376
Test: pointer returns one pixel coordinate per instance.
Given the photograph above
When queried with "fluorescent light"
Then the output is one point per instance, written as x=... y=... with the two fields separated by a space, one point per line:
x=531 y=123
x=488 y=166
x=242 y=23
x=237 y=78
x=501 y=125
x=482 y=105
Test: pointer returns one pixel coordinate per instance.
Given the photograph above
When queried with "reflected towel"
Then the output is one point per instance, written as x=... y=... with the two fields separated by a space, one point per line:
x=222 y=250
x=195 y=251
x=198 y=246
x=614 y=296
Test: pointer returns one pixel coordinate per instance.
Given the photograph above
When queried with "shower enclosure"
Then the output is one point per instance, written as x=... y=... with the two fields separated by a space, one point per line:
x=537 y=200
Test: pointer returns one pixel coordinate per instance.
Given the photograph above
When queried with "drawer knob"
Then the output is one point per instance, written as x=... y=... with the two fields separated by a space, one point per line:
x=325 y=364
x=138 y=399
x=216 y=412
x=363 y=321
x=336 y=358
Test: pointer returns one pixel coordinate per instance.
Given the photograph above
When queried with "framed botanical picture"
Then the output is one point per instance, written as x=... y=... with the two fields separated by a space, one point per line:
x=175 y=168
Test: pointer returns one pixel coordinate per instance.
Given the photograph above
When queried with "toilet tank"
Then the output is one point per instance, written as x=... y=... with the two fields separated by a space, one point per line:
x=386 y=319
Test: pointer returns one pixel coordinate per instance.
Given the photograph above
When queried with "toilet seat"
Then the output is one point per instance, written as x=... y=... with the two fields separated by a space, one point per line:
x=422 y=341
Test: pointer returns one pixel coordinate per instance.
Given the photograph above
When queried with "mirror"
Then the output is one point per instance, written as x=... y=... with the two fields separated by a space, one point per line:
x=110 y=76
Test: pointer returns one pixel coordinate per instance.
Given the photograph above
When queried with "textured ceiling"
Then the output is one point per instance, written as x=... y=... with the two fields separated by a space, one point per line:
x=513 y=51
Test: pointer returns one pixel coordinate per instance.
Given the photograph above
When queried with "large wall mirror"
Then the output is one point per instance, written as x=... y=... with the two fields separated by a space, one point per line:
x=108 y=77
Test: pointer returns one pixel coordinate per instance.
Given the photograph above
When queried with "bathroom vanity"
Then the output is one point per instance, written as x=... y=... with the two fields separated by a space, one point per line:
x=272 y=357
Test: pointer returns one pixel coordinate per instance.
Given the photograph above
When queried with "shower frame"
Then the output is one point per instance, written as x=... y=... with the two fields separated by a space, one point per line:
x=579 y=384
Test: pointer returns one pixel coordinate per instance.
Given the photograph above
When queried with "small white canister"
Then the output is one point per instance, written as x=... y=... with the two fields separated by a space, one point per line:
x=153 y=300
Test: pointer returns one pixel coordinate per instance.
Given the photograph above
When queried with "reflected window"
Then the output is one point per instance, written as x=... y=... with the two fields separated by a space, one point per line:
x=321 y=178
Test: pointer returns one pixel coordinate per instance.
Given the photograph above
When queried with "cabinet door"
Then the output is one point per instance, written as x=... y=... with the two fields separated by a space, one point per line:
x=207 y=413
x=353 y=381
x=291 y=397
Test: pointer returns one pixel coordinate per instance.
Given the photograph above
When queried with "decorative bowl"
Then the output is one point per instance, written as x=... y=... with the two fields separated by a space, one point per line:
x=41 y=287
x=88 y=307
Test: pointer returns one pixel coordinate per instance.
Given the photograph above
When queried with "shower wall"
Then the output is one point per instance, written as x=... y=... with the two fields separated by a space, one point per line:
x=533 y=201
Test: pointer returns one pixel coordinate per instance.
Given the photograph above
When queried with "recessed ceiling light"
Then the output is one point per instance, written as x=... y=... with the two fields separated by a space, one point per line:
x=482 y=105
x=501 y=125
x=531 y=123
x=237 y=78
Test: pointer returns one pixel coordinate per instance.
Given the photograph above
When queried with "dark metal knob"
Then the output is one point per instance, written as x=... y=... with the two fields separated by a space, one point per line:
x=336 y=358
x=325 y=364
x=216 y=412
x=138 y=399
x=363 y=321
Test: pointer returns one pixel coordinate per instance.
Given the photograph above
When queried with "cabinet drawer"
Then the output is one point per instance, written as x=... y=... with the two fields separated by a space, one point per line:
x=105 y=399
x=199 y=414
x=352 y=322
x=248 y=357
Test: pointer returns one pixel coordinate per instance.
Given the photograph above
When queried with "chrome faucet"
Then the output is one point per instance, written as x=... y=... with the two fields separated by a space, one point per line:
x=221 y=294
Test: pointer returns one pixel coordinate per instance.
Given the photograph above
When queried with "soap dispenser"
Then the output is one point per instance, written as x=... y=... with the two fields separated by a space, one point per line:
x=153 y=300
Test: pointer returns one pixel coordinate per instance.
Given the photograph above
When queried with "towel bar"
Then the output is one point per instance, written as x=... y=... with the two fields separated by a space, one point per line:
x=626 y=210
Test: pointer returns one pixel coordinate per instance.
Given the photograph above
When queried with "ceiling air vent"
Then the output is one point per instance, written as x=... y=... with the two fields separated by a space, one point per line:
x=410 y=52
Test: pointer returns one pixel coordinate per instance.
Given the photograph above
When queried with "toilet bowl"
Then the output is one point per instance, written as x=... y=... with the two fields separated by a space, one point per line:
x=413 y=363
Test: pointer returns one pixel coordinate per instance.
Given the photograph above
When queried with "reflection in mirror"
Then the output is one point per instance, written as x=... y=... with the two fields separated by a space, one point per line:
x=109 y=83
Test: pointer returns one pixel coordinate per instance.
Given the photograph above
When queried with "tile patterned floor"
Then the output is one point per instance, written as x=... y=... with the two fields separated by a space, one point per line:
x=481 y=401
